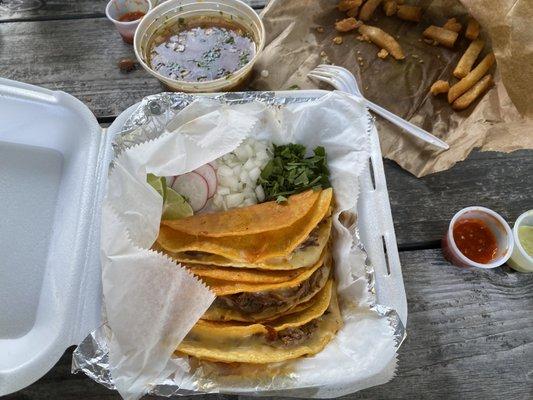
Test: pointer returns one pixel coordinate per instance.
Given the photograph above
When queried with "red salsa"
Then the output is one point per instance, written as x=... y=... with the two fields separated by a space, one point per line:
x=131 y=16
x=475 y=240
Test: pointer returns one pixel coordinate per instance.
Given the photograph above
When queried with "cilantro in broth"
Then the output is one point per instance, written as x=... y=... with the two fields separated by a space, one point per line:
x=290 y=172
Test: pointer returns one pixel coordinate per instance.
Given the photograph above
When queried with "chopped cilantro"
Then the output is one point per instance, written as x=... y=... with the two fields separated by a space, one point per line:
x=290 y=172
x=244 y=58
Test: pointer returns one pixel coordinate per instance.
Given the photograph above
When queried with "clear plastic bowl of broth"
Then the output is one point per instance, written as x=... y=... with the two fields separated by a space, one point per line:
x=194 y=46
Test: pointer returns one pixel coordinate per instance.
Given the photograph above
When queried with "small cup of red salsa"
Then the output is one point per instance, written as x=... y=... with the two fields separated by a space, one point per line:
x=126 y=15
x=478 y=237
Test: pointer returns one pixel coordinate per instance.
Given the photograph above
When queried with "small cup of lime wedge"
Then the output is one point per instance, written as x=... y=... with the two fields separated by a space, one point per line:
x=522 y=256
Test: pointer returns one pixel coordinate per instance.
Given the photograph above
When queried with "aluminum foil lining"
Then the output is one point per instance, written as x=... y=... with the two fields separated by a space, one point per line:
x=146 y=123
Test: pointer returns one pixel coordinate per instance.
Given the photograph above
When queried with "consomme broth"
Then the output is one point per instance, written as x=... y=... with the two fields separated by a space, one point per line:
x=201 y=49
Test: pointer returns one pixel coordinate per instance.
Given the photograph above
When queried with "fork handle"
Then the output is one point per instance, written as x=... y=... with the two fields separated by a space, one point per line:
x=407 y=126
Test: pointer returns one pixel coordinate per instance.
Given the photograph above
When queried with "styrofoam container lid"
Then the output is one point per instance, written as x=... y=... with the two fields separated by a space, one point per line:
x=54 y=160
x=53 y=166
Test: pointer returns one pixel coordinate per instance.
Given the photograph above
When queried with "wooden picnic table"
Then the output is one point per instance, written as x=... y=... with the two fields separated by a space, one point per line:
x=470 y=332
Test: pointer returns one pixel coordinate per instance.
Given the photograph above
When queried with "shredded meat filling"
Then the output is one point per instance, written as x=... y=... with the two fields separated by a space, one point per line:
x=294 y=336
x=270 y=302
x=312 y=239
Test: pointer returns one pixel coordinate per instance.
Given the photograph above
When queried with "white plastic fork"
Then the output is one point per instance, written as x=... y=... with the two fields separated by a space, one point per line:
x=342 y=79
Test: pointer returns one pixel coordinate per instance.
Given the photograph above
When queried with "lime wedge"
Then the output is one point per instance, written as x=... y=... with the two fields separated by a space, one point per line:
x=159 y=183
x=175 y=206
x=525 y=235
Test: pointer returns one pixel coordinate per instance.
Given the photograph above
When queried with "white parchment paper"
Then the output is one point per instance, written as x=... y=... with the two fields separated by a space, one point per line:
x=151 y=303
x=362 y=352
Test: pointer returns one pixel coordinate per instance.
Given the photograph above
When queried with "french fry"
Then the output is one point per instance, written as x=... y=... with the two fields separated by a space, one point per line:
x=453 y=25
x=346 y=5
x=409 y=13
x=472 y=29
x=471 y=95
x=472 y=78
x=464 y=66
x=347 y=24
x=390 y=7
x=383 y=40
x=368 y=9
x=443 y=36
x=439 y=87
x=352 y=12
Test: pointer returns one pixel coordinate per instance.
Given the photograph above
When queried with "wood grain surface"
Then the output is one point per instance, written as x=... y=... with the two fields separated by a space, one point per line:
x=40 y=10
x=422 y=208
x=470 y=336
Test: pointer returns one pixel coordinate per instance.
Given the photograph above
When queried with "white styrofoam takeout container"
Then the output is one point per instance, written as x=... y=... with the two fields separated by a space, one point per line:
x=54 y=159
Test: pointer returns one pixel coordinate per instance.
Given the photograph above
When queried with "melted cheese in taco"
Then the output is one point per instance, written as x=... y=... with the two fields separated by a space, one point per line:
x=268 y=344
x=249 y=248
x=265 y=305
x=306 y=254
x=259 y=218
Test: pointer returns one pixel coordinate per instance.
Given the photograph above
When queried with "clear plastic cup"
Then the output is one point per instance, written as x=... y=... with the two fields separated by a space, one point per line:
x=497 y=225
x=520 y=260
x=172 y=11
x=117 y=8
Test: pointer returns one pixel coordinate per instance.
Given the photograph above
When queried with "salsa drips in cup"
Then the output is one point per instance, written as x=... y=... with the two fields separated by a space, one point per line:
x=126 y=16
x=131 y=16
x=478 y=237
x=475 y=240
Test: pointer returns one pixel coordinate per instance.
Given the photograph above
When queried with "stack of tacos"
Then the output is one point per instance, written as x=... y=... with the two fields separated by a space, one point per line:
x=270 y=266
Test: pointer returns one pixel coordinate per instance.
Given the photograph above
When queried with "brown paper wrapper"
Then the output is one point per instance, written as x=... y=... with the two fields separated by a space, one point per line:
x=501 y=120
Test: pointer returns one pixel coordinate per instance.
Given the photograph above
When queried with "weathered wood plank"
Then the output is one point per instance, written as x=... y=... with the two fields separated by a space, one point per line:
x=60 y=384
x=469 y=336
x=65 y=9
x=77 y=56
x=422 y=208
x=52 y=9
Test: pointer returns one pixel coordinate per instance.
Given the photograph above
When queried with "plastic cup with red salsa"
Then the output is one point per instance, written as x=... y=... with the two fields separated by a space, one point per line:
x=478 y=237
x=126 y=15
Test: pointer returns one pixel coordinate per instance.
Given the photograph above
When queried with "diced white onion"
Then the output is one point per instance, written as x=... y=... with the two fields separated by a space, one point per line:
x=237 y=170
x=234 y=200
x=234 y=185
x=238 y=173
x=222 y=190
x=249 y=164
x=248 y=202
x=260 y=193
x=224 y=171
x=217 y=200
x=254 y=174
x=225 y=181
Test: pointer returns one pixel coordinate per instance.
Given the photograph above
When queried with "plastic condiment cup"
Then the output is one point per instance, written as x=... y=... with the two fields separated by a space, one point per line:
x=172 y=11
x=497 y=225
x=117 y=8
x=520 y=260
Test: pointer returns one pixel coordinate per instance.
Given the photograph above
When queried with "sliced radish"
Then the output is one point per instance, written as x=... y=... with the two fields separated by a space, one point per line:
x=210 y=175
x=194 y=188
